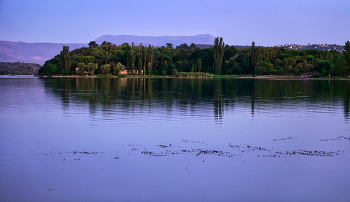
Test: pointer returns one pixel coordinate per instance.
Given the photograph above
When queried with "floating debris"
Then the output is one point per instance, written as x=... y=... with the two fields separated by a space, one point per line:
x=313 y=153
x=190 y=141
x=338 y=138
x=260 y=152
x=281 y=139
x=163 y=146
x=233 y=150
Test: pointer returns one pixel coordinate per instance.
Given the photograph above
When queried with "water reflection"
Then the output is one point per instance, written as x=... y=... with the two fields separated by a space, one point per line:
x=131 y=139
x=199 y=95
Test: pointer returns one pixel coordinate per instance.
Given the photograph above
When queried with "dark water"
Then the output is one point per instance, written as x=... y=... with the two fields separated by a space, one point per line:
x=69 y=139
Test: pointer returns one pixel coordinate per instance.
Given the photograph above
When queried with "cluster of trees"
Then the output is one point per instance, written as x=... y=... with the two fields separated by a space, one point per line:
x=109 y=58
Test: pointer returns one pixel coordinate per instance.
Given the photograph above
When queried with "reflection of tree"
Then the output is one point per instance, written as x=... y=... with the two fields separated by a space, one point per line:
x=217 y=99
x=346 y=103
x=182 y=95
x=252 y=97
x=346 y=107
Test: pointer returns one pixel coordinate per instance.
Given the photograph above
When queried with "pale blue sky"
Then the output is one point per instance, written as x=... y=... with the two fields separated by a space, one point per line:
x=268 y=23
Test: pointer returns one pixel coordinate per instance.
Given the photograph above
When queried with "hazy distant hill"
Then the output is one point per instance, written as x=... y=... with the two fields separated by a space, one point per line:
x=18 y=68
x=32 y=52
x=40 y=52
x=157 y=40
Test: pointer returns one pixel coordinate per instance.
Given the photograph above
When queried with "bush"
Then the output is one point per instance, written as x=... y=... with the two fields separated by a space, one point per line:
x=105 y=69
x=175 y=73
x=322 y=64
x=315 y=75
x=154 y=72
x=65 y=72
x=257 y=70
x=324 y=72
x=118 y=68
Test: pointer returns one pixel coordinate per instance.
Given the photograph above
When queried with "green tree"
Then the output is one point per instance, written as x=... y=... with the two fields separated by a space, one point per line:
x=230 y=51
x=140 y=59
x=285 y=65
x=199 y=65
x=346 y=53
x=254 y=56
x=338 y=65
x=93 y=44
x=171 y=68
x=105 y=69
x=132 y=59
x=81 y=68
x=91 y=67
x=164 y=67
x=65 y=58
x=150 y=58
x=144 y=50
x=169 y=45
x=52 y=70
x=118 y=69
x=192 y=46
x=178 y=66
x=218 y=53
x=322 y=66
x=193 y=68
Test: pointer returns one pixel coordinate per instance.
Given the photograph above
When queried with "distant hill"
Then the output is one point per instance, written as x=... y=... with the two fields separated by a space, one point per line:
x=40 y=52
x=157 y=40
x=32 y=52
x=18 y=68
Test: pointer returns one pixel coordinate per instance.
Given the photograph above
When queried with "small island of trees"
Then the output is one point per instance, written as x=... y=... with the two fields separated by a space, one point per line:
x=221 y=59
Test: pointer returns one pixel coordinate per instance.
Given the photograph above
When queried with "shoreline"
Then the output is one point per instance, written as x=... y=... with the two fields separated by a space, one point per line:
x=267 y=77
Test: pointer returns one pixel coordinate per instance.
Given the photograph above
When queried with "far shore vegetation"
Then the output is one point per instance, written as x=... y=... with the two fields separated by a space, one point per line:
x=189 y=61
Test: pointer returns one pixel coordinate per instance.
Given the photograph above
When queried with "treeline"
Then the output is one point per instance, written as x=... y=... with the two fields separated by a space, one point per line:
x=221 y=59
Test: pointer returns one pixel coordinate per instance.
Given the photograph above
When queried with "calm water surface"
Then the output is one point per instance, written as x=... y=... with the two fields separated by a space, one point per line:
x=101 y=139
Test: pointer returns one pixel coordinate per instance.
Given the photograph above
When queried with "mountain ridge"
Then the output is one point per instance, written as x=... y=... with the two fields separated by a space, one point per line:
x=32 y=52
x=40 y=52
x=156 y=40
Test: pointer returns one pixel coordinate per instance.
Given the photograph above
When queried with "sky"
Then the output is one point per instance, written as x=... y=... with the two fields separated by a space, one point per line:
x=267 y=22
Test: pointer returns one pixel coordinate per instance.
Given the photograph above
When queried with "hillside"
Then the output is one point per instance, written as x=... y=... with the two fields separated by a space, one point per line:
x=31 y=52
x=18 y=68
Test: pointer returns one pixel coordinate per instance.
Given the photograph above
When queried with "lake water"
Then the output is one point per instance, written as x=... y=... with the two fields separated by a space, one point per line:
x=155 y=139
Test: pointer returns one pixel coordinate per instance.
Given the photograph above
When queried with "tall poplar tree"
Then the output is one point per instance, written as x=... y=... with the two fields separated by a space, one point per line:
x=199 y=65
x=150 y=58
x=139 y=64
x=65 y=59
x=218 y=53
x=254 y=56
x=132 y=58
x=144 y=50
x=346 y=53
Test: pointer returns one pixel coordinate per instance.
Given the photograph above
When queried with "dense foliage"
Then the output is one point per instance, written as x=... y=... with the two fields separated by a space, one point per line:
x=109 y=58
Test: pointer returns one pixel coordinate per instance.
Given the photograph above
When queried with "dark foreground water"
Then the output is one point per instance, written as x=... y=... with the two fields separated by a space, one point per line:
x=100 y=139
